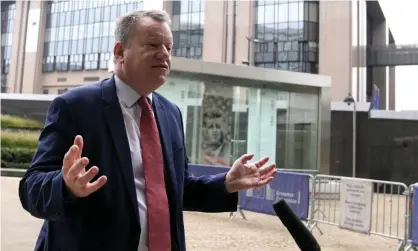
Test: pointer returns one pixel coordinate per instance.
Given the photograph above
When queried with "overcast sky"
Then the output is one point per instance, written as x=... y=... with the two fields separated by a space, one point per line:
x=402 y=17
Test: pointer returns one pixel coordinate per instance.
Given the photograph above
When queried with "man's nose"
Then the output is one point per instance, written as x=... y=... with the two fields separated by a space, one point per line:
x=163 y=53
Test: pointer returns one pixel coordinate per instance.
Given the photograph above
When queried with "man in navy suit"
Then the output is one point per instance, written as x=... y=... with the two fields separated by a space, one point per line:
x=110 y=172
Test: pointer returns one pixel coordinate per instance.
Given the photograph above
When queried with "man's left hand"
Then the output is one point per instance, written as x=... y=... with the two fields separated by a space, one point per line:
x=244 y=176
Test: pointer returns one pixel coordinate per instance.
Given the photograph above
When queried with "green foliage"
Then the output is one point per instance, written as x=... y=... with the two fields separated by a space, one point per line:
x=19 y=139
x=12 y=122
x=17 y=155
x=5 y=164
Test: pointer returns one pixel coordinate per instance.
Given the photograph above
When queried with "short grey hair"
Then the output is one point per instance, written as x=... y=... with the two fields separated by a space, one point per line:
x=128 y=22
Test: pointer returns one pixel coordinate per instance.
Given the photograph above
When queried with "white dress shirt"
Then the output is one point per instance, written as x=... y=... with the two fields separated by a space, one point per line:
x=131 y=110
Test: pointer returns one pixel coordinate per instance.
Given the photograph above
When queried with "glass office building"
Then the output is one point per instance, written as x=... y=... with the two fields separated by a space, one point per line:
x=188 y=20
x=287 y=35
x=79 y=34
x=8 y=13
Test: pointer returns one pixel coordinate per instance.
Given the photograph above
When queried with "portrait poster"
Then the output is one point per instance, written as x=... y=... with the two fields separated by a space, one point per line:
x=216 y=124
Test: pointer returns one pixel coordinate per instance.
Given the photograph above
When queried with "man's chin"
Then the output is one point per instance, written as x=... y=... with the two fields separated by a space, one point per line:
x=162 y=79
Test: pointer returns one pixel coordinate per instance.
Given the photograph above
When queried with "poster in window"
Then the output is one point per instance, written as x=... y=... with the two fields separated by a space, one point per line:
x=215 y=145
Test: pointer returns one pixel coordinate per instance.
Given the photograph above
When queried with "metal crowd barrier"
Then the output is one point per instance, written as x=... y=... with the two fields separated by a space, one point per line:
x=376 y=207
x=294 y=187
x=412 y=236
x=361 y=205
x=291 y=186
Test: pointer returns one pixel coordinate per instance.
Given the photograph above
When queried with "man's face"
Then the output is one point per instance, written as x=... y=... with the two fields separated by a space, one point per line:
x=214 y=130
x=147 y=59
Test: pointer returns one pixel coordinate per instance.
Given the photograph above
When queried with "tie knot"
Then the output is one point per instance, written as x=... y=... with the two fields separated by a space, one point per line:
x=144 y=102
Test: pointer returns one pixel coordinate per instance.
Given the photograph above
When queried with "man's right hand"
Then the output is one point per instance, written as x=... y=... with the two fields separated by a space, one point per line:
x=74 y=171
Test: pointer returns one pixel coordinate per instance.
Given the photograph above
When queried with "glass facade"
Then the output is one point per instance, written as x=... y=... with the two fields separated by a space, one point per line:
x=287 y=35
x=188 y=20
x=222 y=122
x=79 y=34
x=8 y=12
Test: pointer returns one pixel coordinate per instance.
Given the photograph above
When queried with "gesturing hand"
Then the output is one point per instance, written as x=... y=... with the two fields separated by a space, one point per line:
x=74 y=171
x=244 y=176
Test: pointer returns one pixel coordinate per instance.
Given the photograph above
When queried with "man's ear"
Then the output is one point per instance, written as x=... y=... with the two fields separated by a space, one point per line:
x=118 y=50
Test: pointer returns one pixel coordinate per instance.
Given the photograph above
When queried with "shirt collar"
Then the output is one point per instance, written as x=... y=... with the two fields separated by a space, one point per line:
x=126 y=95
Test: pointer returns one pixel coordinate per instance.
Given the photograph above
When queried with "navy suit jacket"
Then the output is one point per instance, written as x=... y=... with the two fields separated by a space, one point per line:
x=108 y=219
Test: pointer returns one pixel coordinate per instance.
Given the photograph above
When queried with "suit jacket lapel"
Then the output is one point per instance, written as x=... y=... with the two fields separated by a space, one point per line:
x=165 y=136
x=114 y=118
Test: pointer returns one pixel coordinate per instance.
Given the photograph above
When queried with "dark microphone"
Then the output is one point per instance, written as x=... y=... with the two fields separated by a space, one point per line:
x=300 y=233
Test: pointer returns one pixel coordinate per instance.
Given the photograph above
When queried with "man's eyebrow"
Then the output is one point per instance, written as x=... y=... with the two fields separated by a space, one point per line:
x=157 y=39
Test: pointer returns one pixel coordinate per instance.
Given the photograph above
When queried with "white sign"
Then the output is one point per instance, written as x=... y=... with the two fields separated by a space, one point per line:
x=356 y=205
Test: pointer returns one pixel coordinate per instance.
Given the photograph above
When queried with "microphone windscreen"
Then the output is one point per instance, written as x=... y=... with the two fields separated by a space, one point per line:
x=300 y=233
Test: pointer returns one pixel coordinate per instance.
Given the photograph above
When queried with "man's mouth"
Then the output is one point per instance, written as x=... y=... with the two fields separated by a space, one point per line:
x=160 y=66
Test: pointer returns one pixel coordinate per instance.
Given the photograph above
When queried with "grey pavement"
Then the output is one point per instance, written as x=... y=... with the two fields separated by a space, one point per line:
x=19 y=229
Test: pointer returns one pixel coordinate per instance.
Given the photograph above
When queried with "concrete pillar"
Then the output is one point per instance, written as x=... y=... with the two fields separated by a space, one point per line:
x=214 y=47
x=392 y=80
x=392 y=87
x=34 y=47
x=335 y=21
x=168 y=7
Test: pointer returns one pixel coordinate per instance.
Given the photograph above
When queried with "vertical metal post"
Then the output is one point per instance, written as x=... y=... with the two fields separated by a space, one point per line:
x=249 y=51
x=236 y=143
x=354 y=138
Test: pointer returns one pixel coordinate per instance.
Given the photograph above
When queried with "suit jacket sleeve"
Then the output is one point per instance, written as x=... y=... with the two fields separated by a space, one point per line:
x=42 y=190
x=206 y=193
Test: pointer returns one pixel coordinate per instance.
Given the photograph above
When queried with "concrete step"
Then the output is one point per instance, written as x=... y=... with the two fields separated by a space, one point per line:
x=12 y=172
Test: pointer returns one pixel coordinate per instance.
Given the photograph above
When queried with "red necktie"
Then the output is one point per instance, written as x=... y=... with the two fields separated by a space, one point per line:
x=159 y=238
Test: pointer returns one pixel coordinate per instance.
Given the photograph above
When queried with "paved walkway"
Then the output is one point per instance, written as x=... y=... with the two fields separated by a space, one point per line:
x=18 y=228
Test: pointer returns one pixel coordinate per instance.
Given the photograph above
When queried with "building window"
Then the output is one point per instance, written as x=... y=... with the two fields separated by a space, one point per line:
x=188 y=25
x=76 y=62
x=104 y=60
x=8 y=12
x=79 y=34
x=62 y=91
x=3 y=83
x=287 y=35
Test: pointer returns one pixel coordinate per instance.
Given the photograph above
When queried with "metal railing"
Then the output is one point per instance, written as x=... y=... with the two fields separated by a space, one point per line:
x=372 y=207
x=361 y=205
x=411 y=244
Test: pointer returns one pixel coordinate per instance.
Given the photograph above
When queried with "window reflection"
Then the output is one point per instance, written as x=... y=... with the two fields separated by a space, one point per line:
x=8 y=13
x=188 y=24
x=217 y=124
x=291 y=22
x=82 y=31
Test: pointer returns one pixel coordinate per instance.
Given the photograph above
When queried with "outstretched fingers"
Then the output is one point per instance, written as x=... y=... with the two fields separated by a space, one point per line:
x=246 y=157
x=263 y=182
x=261 y=162
x=267 y=174
x=86 y=177
x=69 y=158
x=267 y=169
x=96 y=185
